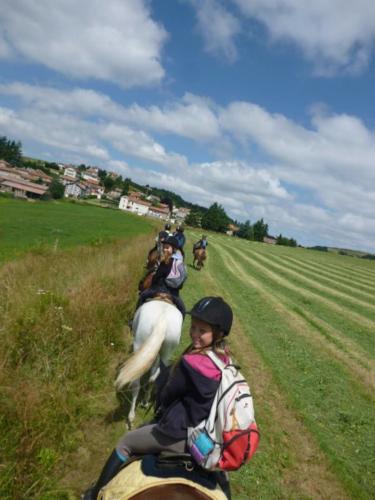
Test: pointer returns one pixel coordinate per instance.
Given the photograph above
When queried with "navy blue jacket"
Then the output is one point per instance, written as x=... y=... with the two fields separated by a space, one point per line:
x=186 y=398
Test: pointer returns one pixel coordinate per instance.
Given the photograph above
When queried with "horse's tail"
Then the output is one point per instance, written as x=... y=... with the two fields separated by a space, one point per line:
x=141 y=361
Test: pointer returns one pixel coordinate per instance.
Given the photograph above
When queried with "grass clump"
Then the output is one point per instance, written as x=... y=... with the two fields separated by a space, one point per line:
x=62 y=316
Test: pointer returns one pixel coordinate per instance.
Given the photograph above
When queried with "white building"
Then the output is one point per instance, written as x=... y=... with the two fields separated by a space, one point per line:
x=70 y=172
x=134 y=204
x=91 y=174
x=75 y=190
x=161 y=212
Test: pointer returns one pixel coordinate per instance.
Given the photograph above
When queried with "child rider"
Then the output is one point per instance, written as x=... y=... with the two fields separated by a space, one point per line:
x=185 y=394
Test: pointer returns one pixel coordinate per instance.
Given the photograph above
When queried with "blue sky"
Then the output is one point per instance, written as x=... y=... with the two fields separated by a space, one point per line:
x=266 y=106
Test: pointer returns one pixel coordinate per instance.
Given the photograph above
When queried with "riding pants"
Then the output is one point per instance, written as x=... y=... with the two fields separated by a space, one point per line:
x=148 y=440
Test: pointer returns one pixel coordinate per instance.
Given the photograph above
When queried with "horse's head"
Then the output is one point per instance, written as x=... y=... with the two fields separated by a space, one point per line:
x=152 y=259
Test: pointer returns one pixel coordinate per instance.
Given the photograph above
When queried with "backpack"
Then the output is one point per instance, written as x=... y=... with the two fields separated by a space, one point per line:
x=229 y=437
x=177 y=275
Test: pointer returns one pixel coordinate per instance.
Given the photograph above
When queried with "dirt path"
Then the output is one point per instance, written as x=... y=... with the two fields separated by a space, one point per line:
x=309 y=474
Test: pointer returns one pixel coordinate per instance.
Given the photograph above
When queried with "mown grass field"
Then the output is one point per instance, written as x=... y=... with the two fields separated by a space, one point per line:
x=36 y=226
x=303 y=334
x=305 y=327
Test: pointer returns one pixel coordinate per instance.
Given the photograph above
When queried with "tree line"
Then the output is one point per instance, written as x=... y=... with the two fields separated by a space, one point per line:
x=216 y=219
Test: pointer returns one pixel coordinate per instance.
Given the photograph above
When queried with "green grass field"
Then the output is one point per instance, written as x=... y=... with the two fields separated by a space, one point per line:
x=303 y=334
x=26 y=226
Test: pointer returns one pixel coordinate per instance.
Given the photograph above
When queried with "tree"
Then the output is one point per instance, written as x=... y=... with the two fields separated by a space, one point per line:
x=194 y=218
x=289 y=242
x=215 y=219
x=11 y=151
x=126 y=186
x=102 y=174
x=260 y=229
x=246 y=231
x=56 y=189
x=167 y=201
x=108 y=183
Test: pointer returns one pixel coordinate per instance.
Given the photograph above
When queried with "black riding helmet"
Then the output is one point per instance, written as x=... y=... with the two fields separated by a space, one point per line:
x=167 y=227
x=214 y=311
x=171 y=240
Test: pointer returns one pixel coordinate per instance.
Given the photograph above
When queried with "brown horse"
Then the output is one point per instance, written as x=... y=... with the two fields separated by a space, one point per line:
x=199 y=257
x=146 y=281
x=152 y=258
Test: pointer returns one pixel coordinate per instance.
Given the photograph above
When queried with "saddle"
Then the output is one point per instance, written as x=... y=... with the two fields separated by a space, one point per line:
x=164 y=297
x=147 y=474
x=169 y=464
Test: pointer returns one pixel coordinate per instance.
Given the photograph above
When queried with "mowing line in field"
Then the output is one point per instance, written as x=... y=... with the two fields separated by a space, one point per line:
x=366 y=284
x=333 y=405
x=361 y=366
x=297 y=477
x=315 y=259
x=355 y=272
x=313 y=283
x=331 y=276
x=361 y=334
x=307 y=293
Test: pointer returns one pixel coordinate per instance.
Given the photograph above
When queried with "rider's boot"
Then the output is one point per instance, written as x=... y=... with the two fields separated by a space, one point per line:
x=114 y=463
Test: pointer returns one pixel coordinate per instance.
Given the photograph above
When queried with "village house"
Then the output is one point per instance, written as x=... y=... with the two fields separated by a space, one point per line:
x=180 y=214
x=9 y=172
x=91 y=174
x=232 y=230
x=153 y=198
x=134 y=204
x=36 y=175
x=70 y=172
x=161 y=212
x=22 y=189
x=270 y=240
x=75 y=190
x=115 y=194
x=93 y=189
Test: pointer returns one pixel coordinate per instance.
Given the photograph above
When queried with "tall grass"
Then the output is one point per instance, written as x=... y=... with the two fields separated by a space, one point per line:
x=61 y=325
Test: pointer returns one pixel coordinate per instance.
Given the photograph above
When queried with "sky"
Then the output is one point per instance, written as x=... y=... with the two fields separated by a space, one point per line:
x=264 y=106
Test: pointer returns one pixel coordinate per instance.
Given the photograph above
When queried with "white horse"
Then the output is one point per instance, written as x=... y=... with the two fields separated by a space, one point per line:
x=157 y=332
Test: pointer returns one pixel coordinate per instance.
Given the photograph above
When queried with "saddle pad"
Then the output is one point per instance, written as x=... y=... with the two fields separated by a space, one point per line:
x=131 y=481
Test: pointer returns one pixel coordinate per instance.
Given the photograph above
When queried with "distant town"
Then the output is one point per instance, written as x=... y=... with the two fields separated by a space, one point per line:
x=84 y=183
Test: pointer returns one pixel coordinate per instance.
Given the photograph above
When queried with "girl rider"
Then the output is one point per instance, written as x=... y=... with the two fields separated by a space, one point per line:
x=185 y=394
x=170 y=275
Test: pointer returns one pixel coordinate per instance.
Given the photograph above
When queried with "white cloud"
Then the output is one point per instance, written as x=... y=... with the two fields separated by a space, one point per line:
x=218 y=27
x=336 y=35
x=337 y=145
x=193 y=117
x=114 y=40
x=314 y=182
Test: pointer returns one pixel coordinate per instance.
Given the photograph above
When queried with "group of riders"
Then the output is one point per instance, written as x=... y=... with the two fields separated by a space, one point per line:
x=185 y=393
x=166 y=268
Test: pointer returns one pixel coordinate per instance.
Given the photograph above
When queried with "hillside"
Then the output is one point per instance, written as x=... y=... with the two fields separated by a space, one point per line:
x=39 y=226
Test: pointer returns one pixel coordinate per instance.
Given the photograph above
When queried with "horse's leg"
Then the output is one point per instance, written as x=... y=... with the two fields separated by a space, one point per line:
x=135 y=388
x=154 y=373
